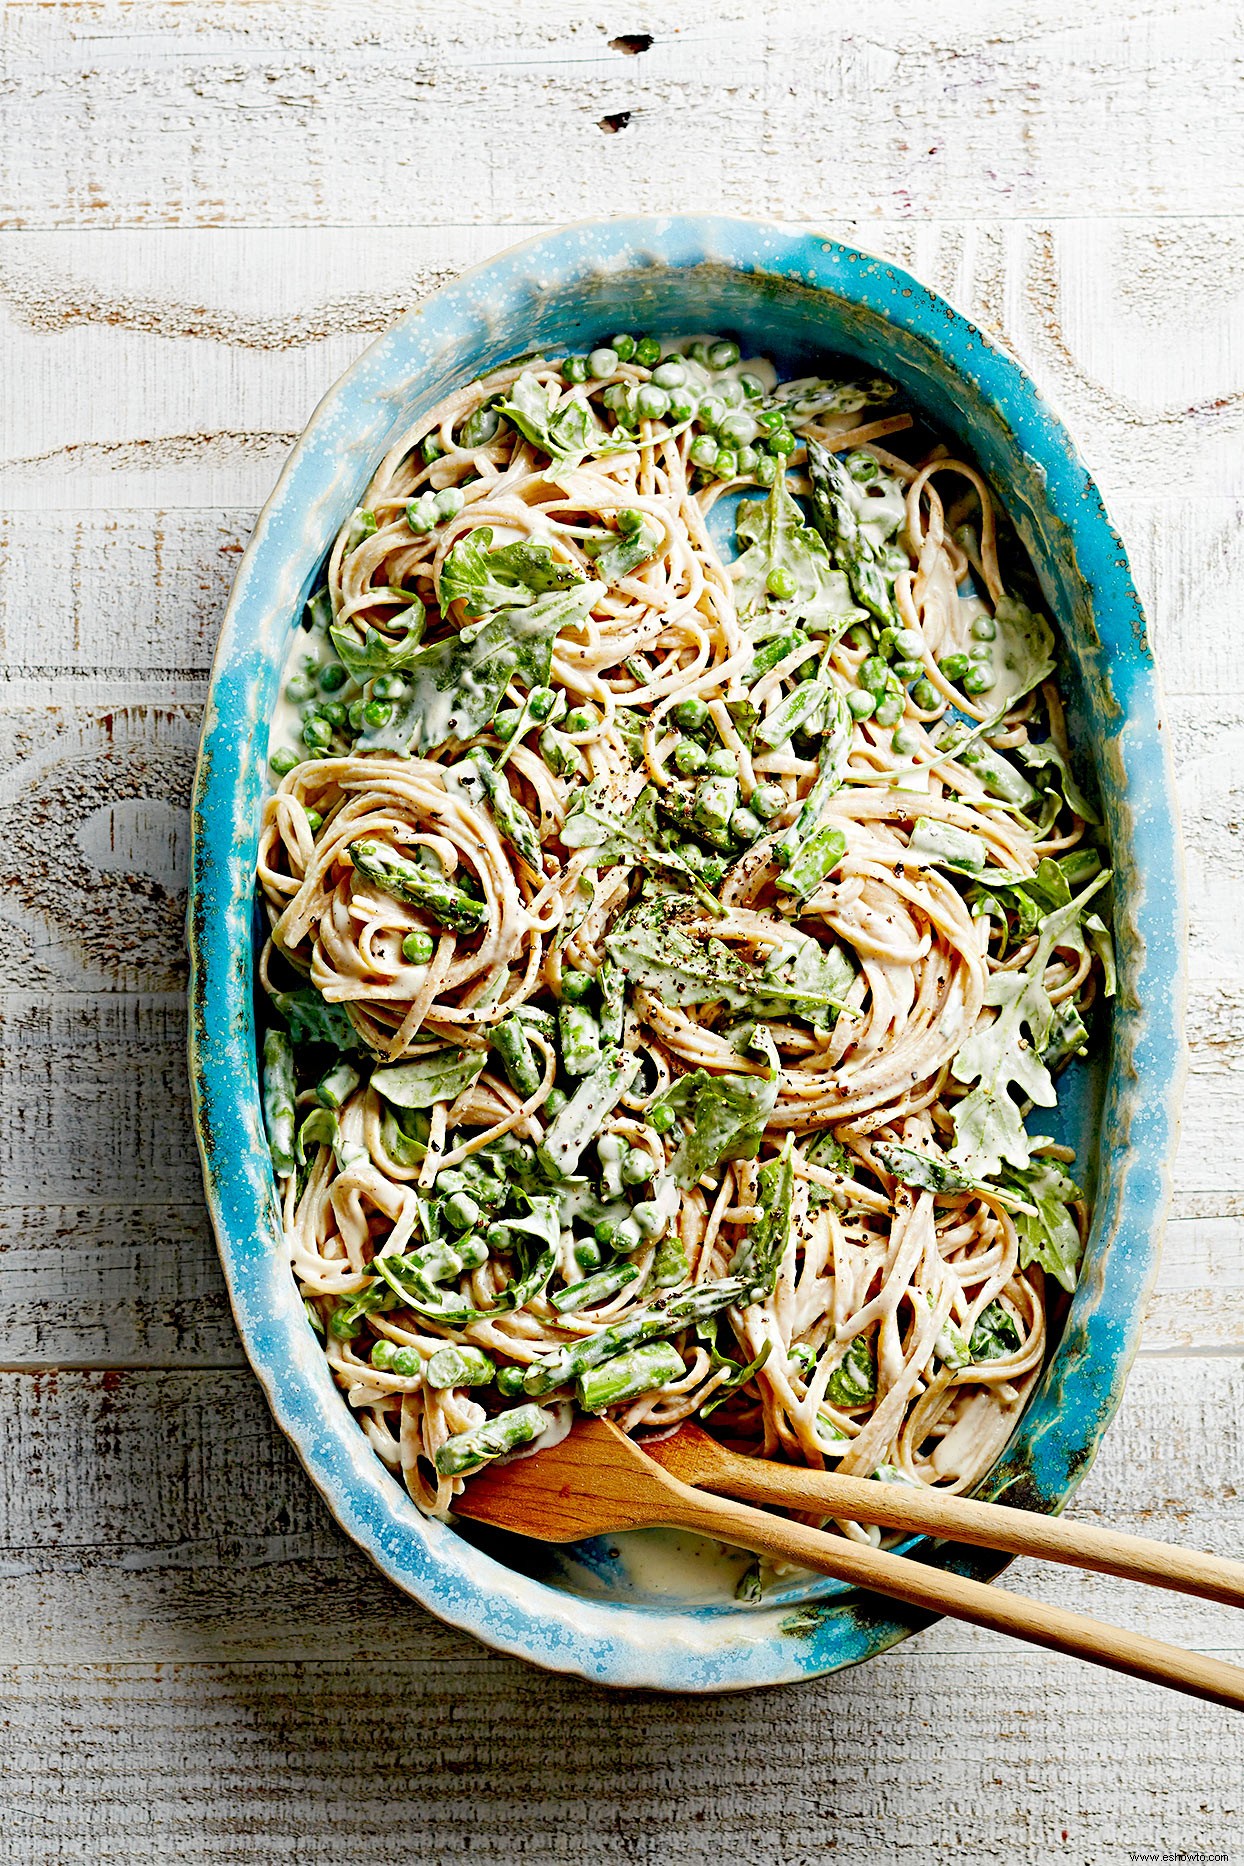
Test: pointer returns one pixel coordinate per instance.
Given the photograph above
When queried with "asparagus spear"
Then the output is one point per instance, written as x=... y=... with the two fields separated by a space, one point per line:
x=598 y=1094
x=518 y=1059
x=651 y=1324
x=579 y=1035
x=594 y=1289
x=466 y=1451
x=407 y=881
x=612 y=986
x=337 y=1086
x=818 y=857
x=508 y=814
x=628 y=1375
x=279 y=1091
x=998 y=775
x=834 y=516
x=459 y=1367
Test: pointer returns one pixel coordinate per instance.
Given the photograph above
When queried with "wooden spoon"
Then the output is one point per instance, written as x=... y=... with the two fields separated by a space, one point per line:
x=598 y=1482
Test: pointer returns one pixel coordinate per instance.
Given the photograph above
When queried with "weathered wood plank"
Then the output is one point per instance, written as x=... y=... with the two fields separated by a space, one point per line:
x=1004 y=1761
x=245 y=116
x=162 y=1517
x=210 y=349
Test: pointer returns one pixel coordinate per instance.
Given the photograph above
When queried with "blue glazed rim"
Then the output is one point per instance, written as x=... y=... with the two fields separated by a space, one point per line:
x=740 y=271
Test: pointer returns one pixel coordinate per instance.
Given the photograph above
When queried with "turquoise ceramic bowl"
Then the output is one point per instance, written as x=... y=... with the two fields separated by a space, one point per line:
x=796 y=296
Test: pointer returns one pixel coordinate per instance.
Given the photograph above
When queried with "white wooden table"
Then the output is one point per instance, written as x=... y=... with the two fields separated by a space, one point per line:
x=207 y=210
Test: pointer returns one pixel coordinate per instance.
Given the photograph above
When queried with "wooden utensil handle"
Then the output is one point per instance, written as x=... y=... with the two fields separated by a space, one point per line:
x=940 y=1592
x=989 y=1525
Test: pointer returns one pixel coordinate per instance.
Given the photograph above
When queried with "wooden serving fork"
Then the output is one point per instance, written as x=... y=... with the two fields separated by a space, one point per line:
x=597 y=1481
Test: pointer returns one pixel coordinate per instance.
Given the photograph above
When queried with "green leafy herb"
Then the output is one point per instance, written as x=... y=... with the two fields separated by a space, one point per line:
x=725 y=1117
x=1051 y=1237
x=632 y=840
x=1037 y=756
x=365 y=651
x=780 y=546
x=761 y=1252
x=738 y=1377
x=455 y=686
x=564 y=427
x=1023 y=652
x=682 y=970
x=922 y=1169
x=628 y=551
x=509 y=578
x=425 y=1080
x=854 y=1380
x=312 y=1019
x=995 y=1334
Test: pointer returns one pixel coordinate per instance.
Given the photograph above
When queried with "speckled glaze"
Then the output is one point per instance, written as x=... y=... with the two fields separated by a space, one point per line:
x=797 y=296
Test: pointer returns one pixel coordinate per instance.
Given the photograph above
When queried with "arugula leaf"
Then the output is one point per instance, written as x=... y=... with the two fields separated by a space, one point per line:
x=311 y=1019
x=455 y=686
x=988 y=1126
x=1037 y=756
x=727 y=1116
x=566 y=429
x=1102 y=942
x=426 y=1080
x=508 y=578
x=634 y=841
x=1051 y=1238
x=759 y=1255
x=627 y=551
x=854 y=1380
x=739 y=1377
x=1023 y=652
x=922 y=1169
x=368 y=652
x=778 y=541
x=825 y=973
x=682 y=970
x=994 y=1335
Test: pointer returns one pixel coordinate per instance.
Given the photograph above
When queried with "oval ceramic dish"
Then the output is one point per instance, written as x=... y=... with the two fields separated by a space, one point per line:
x=795 y=296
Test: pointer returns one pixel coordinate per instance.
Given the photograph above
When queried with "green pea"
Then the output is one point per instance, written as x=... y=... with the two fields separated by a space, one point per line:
x=417 y=948
x=335 y=713
x=954 y=666
x=862 y=467
x=731 y=393
x=766 y=470
x=724 y=354
x=698 y=352
x=577 y=987
x=623 y=346
x=978 y=679
x=682 y=405
x=859 y=637
x=431 y=450
x=712 y=408
x=751 y=385
x=602 y=362
x=671 y=374
x=768 y=801
x=908 y=670
x=629 y=520
x=772 y=420
x=735 y=429
x=581 y=719
x=510 y=1379
x=388 y=687
x=984 y=629
x=889 y=710
x=574 y=369
x=314 y=820
x=460 y=1211
x=910 y=643
x=745 y=826
x=689 y=758
x=925 y=695
x=540 y=703
x=617 y=397
x=726 y=463
x=555 y=1101
x=354 y=713
x=449 y=502
x=747 y=461
x=647 y=352
x=587 y=1255
x=382 y=1353
x=660 y=1119
x=605 y=1231
x=905 y=741
x=283 y=760
x=317 y=733
x=505 y=724
x=421 y=517
x=689 y=714
x=333 y=677
x=783 y=442
x=299 y=689
x=860 y=704
x=481 y=427
x=652 y=402
x=704 y=451
x=780 y=583
x=377 y=713
x=874 y=675
x=407 y=1362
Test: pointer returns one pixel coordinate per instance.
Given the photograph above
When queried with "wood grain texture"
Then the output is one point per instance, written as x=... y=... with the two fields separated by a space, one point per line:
x=202 y=229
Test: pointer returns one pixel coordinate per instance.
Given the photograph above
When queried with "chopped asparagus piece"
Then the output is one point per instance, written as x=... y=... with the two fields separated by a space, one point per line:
x=574 y=1125
x=594 y=1289
x=459 y=1367
x=466 y=1451
x=407 y=881
x=627 y=1375
x=518 y=1059
x=279 y=1092
x=658 y=1320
